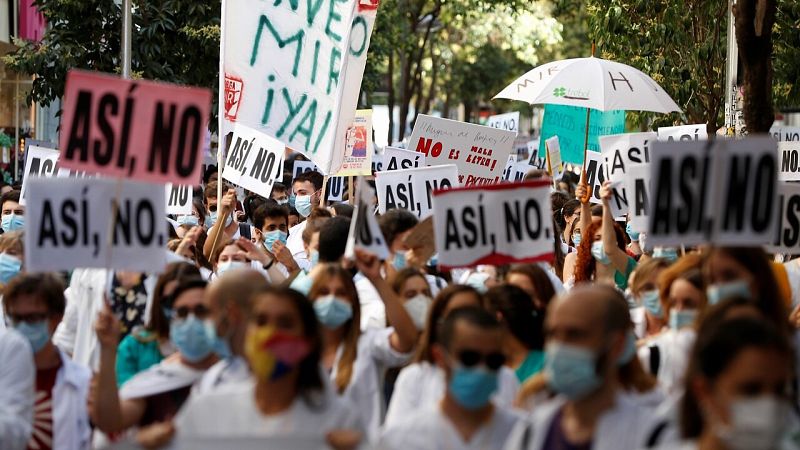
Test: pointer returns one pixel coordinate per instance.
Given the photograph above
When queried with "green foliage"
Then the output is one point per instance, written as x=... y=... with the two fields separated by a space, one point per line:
x=5 y=140
x=786 y=56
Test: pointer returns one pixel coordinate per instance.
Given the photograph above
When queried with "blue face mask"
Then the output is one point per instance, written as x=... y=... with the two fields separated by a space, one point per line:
x=13 y=222
x=723 y=291
x=668 y=253
x=332 y=312
x=193 y=337
x=629 y=351
x=576 y=239
x=634 y=235
x=314 y=258
x=36 y=333
x=211 y=219
x=652 y=303
x=571 y=371
x=231 y=265
x=9 y=267
x=681 y=319
x=271 y=237
x=599 y=253
x=302 y=284
x=221 y=347
x=292 y=199
x=472 y=387
x=302 y=203
x=189 y=220
x=399 y=261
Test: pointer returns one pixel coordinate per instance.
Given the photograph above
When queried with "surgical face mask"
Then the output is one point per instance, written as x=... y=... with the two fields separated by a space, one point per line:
x=599 y=253
x=332 y=311
x=211 y=219
x=399 y=261
x=282 y=202
x=417 y=307
x=231 y=265
x=576 y=239
x=302 y=284
x=271 y=237
x=13 y=222
x=472 y=387
x=682 y=318
x=314 y=258
x=724 y=291
x=302 y=203
x=477 y=280
x=629 y=351
x=668 y=253
x=9 y=267
x=272 y=353
x=188 y=219
x=652 y=302
x=634 y=235
x=37 y=333
x=193 y=337
x=292 y=199
x=756 y=423
x=571 y=371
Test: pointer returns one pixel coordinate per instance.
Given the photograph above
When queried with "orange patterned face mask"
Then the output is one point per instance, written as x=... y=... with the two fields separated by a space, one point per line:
x=272 y=353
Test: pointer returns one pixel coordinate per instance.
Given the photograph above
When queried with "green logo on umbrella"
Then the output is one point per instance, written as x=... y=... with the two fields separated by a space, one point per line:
x=559 y=92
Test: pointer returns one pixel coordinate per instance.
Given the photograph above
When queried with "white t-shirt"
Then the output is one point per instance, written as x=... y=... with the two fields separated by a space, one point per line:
x=673 y=347
x=429 y=429
x=224 y=373
x=421 y=385
x=295 y=245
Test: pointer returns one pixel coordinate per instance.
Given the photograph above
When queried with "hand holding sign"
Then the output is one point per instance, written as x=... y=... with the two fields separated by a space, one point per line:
x=582 y=191
x=108 y=328
x=606 y=191
x=368 y=264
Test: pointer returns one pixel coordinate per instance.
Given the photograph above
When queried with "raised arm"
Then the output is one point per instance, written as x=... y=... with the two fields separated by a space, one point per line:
x=583 y=194
x=226 y=206
x=618 y=257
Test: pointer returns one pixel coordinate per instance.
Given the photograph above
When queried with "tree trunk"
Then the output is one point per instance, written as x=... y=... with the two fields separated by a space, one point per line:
x=390 y=96
x=754 y=21
x=426 y=107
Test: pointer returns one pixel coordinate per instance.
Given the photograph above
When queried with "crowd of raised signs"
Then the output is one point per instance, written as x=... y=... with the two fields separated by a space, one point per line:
x=261 y=334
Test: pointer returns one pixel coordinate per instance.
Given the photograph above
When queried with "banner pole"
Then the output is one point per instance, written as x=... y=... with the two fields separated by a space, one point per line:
x=324 y=192
x=350 y=192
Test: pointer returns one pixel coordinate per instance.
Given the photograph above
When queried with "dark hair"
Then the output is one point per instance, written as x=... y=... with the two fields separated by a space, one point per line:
x=177 y=271
x=719 y=342
x=312 y=177
x=278 y=187
x=597 y=211
x=396 y=221
x=47 y=287
x=252 y=203
x=570 y=207
x=523 y=321
x=269 y=210
x=472 y=315
x=333 y=239
x=10 y=196
x=430 y=333
x=585 y=264
x=197 y=203
x=404 y=275
x=187 y=284
x=538 y=277
x=210 y=191
x=557 y=201
x=212 y=169
x=343 y=210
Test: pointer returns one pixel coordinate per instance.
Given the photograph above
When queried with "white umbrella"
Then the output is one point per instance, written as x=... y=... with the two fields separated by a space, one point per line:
x=590 y=83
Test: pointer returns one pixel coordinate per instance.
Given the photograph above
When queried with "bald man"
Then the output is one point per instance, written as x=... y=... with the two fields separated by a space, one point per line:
x=586 y=341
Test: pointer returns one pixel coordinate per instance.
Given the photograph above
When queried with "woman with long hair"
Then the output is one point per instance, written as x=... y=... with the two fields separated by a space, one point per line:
x=648 y=315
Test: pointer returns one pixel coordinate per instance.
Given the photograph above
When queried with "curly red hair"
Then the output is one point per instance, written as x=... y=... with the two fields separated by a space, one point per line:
x=585 y=263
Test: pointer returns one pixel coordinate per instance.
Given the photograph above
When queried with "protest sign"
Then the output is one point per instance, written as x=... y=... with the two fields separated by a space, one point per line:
x=789 y=158
x=397 y=158
x=255 y=160
x=301 y=166
x=377 y=163
x=39 y=162
x=621 y=152
x=683 y=133
x=365 y=233
x=69 y=224
x=179 y=199
x=507 y=121
x=421 y=239
x=508 y=171
x=569 y=124
x=520 y=169
x=556 y=167
x=335 y=189
x=787 y=237
x=785 y=134
x=595 y=175
x=133 y=129
x=358 y=146
x=536 y=159
x=412 y=189
x=293 y=70
x=637 y=186
x=478 y=151
x=498 y=224
x=721 y=192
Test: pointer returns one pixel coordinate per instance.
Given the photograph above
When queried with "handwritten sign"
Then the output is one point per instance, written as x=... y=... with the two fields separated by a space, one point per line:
x=412 y=189
x=133 y=128
x=499 y=224
x=696 y=132
x=397 y=158
x=569 y=124
x=255 y=160
x=358 y=146
x=478 y=151
x=507 y=121
x=365 y=233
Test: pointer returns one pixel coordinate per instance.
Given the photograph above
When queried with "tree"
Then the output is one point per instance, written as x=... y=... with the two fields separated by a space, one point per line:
x=754 y=22
x=173 y=40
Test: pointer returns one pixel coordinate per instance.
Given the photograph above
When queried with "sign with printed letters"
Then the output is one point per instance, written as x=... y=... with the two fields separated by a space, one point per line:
x=40 y=162
x=621 y=152
x=301 y=166
x=365 y=233
x=255 y=160
x=179 y=199
x=696 y=132
x=789 y=158
x=787 y=237
x=507 y=121
x=358 y=146
x=785 y=134
x=412 y=189
x=397 y=158
x=637 y=186
x=595 y=175
x=499 y=224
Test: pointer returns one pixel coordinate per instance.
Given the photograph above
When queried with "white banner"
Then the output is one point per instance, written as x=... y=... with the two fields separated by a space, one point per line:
x=68 y=224
x=255 y=160
x=397 y=159
x=500 y=224
x=179 y=199
x=412 y=189
x=620 y=152
x=365 y=233
x=696 y=132
x=507 y=121
x=479 y=152
x=789 y=159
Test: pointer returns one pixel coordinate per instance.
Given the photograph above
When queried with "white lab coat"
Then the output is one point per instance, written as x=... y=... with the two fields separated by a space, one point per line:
x=373 y=311
x=225 y=372
x=422 y=385
x=295 y=245
x=674 y=347
x=17 y=387
x=71 y=428
x=623 y=427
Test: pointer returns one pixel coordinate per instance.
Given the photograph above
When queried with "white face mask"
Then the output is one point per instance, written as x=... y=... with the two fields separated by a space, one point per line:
x=417 y=307
x=756 y=423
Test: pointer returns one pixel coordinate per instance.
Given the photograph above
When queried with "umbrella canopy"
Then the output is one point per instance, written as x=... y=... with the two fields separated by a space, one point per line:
x=590 y=83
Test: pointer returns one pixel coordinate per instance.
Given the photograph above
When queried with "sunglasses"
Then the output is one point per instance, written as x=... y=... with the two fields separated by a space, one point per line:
x=471 y=358
x=199 y=311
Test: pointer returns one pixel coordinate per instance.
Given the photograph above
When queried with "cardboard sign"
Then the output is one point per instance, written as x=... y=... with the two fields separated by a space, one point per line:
x=785 y=134
x=621 y=152
x=179 y=199
x=134 y=129
x=569 y=124
x=554 y=154
x=421 y=239
x=40 y=162
x=68 y=224
x=595 y=175
x=787 y=237
x=478 y=151
x=722 y=192
x=293 y=69
x=637 y=186
x=365 y=233
x=789 y=158
x=696 y=132
x=538 y=160
x=255 y=160
x=412 y=189
x=507 y=121
x=499 y=224
x=358 y=146
x=397 y=159
x=301 y=166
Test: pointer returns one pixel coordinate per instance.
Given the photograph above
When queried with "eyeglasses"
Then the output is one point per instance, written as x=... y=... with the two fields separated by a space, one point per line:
x=471 y=358
x=199 y=311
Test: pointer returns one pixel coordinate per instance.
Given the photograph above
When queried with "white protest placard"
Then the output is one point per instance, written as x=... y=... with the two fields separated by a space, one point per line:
x=179 y=199
x=377 y=163
x=398 y=158
x=412 y=189
x=595 y=175
x=40 y=162
x=479 y=152
x=365 y=233
x=508 y=171
x=554 y=155
x=68 y=225
x=499 y=224
x=698 y=132
x=358 y=148
x=301 y=166
x=787 y=237
x=293 y=70
x=789 y=158
x=535 y=159
x=335 y=189
x=785 y=134
x=520 y=169
x=620 y=152
x=637 y=186
x=255 y=160
x=507 y=121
